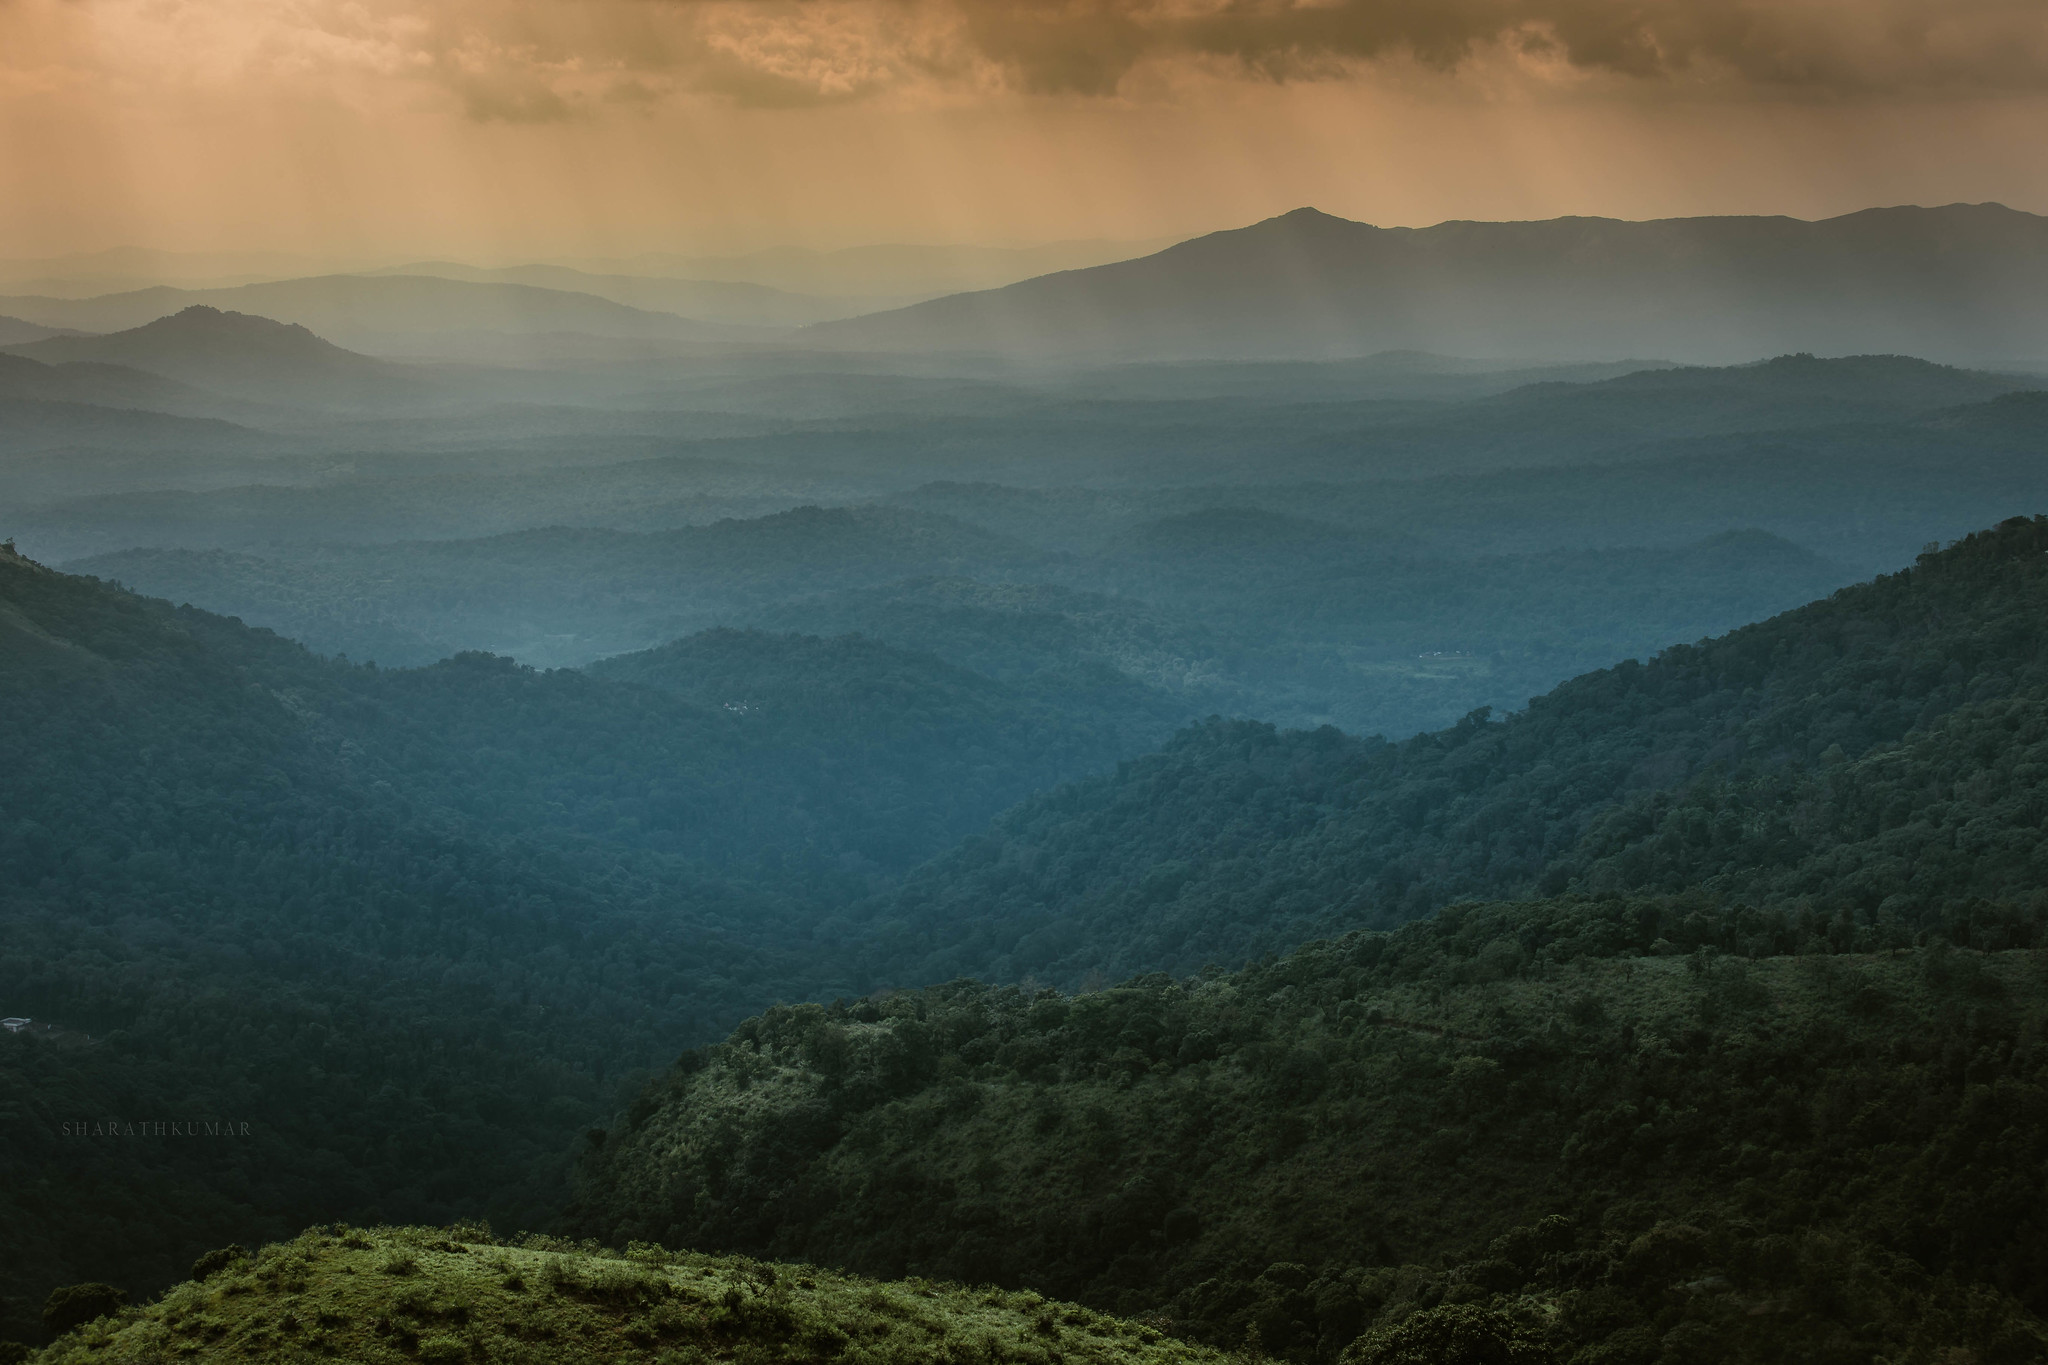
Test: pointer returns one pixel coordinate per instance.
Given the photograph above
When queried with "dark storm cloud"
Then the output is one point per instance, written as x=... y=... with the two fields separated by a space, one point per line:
x=1835 y=45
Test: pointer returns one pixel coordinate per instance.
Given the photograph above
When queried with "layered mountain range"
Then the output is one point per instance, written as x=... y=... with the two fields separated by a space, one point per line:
x=1119 y=788
x=1957 y=282
x=1960 y=282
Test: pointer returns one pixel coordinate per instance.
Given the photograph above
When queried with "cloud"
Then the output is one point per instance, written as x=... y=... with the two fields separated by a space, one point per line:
x=1831 y=45
x=551 y=60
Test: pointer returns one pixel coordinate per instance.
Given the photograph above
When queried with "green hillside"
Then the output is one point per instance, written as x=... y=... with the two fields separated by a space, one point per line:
x=1654 y=1131
x=442 y=1297
x=933 y=750
x=1878 y=755
x=412 y=926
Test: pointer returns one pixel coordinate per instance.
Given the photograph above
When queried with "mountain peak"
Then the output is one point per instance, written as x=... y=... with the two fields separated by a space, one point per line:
x=240 y=355
x=1955 y=283
x=204 y=320
x=1305 y=219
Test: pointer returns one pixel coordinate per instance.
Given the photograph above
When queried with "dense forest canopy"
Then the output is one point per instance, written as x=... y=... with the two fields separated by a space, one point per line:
x=1877 y=754
x=1661 y=1129
x=411 y=924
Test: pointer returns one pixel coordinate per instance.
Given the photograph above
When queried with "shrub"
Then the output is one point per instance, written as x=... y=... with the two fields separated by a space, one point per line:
x=77 y=1304
x=1458 y=1335
x=219 y=1259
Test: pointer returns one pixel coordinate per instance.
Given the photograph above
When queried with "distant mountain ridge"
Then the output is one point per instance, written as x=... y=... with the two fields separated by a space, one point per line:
x=885 y=268
x=16 y=332
x=369 y=311
x=41 y=426
x=103 y=384
x=1955 y=282
x=715 y=301
x=254 y=358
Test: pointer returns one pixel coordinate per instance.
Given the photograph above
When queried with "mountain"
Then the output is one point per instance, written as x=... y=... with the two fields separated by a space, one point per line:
x=114 y=386
x=375 y=312
x=443 y=1295
x=1226 y=610
x=1240 y=612
x=938 y=749
x=1588 y=1130
x=14 y=332
x=1955 y=283
x=717 y=301
x=865 y=272
x=31 y=426
x=1786 y=393
x=82 y=274
x=560 y=595
x=1832 y=757
x=253 y=358
x=1224 y=540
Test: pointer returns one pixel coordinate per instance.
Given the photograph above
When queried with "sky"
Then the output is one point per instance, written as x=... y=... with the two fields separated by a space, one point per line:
x=504 y=130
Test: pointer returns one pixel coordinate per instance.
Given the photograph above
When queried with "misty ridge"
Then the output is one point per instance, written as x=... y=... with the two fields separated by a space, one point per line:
x=1343 y=795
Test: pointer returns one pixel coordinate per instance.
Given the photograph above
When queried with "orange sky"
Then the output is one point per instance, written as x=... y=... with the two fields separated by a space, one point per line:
x=514 y=129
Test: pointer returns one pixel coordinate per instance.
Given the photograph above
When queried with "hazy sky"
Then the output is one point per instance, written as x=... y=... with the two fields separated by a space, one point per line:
x=525 y=128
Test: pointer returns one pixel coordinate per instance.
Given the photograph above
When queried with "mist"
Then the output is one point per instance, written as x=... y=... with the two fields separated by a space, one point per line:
x=1343 y=685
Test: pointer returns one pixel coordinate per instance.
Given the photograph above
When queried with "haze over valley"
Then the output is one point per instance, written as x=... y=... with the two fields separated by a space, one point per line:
x=762 y=685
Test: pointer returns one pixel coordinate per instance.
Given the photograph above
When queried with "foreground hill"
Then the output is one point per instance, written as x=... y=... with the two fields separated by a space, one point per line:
x=440 y=1297
x=1872 y=754
x=1951 y=282
x=1655 y=1131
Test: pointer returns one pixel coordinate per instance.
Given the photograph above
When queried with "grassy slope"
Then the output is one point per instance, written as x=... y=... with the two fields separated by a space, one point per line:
x=415 y=1294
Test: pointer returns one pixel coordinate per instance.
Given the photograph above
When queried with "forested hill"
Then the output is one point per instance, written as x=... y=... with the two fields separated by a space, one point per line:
x=409 y=925
x=1648 y=1131
x=1878 y=754
x=925 y=751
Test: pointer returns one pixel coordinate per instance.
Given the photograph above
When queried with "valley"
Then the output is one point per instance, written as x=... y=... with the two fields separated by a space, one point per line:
x=849 y=825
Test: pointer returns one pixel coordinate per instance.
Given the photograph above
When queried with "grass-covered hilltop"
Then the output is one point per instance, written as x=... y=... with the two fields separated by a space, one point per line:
x=445 y=1297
